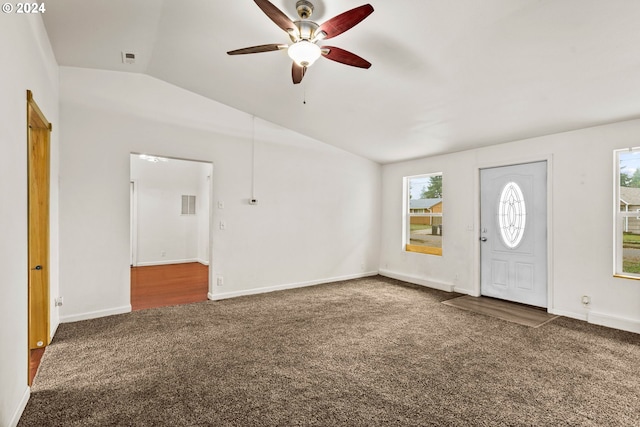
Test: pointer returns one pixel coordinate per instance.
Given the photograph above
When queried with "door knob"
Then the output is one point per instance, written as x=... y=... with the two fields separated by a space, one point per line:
x=38 y=267
x=483 y=239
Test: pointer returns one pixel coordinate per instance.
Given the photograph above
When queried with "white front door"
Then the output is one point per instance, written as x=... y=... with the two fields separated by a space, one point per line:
x=513 y=233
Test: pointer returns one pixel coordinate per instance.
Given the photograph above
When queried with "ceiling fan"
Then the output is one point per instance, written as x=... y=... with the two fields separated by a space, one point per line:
x=305 y=35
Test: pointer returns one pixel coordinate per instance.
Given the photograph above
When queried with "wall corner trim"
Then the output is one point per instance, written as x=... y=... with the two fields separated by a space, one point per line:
x=419 y=281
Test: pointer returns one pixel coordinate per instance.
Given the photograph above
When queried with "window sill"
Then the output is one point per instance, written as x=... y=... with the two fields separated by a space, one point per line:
x=429 y=250
x=625 y=276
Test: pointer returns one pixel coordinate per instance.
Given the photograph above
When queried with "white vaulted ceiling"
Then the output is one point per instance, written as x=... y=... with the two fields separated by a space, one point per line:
x=447 y=75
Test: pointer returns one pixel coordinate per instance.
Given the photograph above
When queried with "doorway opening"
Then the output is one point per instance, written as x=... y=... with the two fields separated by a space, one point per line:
x=170 y=230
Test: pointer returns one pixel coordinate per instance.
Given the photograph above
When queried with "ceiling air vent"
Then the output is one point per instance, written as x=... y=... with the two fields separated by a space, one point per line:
x=128 y=58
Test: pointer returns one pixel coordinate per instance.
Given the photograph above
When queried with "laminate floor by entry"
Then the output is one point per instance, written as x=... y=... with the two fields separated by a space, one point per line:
x=505 y=310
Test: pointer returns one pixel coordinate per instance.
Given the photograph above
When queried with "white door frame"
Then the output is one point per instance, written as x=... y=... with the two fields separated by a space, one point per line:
x=476 y=234
x=133 y=221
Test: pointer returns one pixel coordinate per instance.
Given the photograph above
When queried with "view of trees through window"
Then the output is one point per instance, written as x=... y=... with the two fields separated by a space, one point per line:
x=423 y=232
x=431 y=186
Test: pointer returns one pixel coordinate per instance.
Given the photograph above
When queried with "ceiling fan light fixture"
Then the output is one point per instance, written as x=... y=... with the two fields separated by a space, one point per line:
x=306 y=34
x=304 y=53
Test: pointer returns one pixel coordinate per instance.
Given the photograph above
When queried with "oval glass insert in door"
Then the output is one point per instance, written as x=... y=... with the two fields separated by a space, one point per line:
x=512 y=215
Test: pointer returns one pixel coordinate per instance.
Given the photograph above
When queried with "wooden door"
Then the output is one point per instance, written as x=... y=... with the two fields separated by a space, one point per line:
x=513 y=221
x=38 y=134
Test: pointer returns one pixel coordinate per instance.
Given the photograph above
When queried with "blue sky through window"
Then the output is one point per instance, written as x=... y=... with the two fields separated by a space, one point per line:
x=629 y=161
x=416 y=184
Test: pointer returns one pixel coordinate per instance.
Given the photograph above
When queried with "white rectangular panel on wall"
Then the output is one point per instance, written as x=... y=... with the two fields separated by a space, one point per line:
x=188 y=205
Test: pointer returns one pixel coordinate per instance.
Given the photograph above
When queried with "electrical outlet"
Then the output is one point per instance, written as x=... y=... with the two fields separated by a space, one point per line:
x=163 y=254
x=220 y=281
x=59 y=301
x=586 y=300
x=223 y=225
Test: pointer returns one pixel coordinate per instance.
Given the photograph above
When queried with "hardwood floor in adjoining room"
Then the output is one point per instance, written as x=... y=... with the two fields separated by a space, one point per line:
x=35 y=356
x=172 y=284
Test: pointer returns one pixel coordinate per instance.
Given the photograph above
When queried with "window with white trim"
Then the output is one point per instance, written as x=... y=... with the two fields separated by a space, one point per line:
x=423 y=214
x=626 y=207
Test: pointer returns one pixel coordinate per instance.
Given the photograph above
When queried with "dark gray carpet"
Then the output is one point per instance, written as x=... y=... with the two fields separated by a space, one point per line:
x=364 y=352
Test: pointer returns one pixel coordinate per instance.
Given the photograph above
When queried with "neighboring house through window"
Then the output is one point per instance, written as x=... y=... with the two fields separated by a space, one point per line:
x=423 y=214
x=627 y=208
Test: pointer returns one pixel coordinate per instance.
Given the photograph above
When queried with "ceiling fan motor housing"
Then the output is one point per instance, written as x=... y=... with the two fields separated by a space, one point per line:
x=304 y=8
x=306 y=29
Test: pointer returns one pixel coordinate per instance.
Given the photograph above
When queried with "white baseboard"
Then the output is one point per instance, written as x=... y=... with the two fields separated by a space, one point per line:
x=615 y=322
x=460 y=290
x=419 y=281
x=169 y=261
x=570 y=314
x=202 y=261
x=602 y=319
x=262 y=290
x=95 y=314
x=54 y=328
x=20 y=409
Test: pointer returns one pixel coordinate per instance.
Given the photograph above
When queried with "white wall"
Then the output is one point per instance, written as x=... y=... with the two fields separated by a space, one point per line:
x=164 y=235
x=318 y=213
x=581 y=173
x=27 y=63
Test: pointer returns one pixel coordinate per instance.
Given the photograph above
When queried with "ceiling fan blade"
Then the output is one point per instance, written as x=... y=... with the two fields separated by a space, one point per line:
x=341 y=23
x=277 y=16
x=344 y=57
x=297 y=73
x=258 y=49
